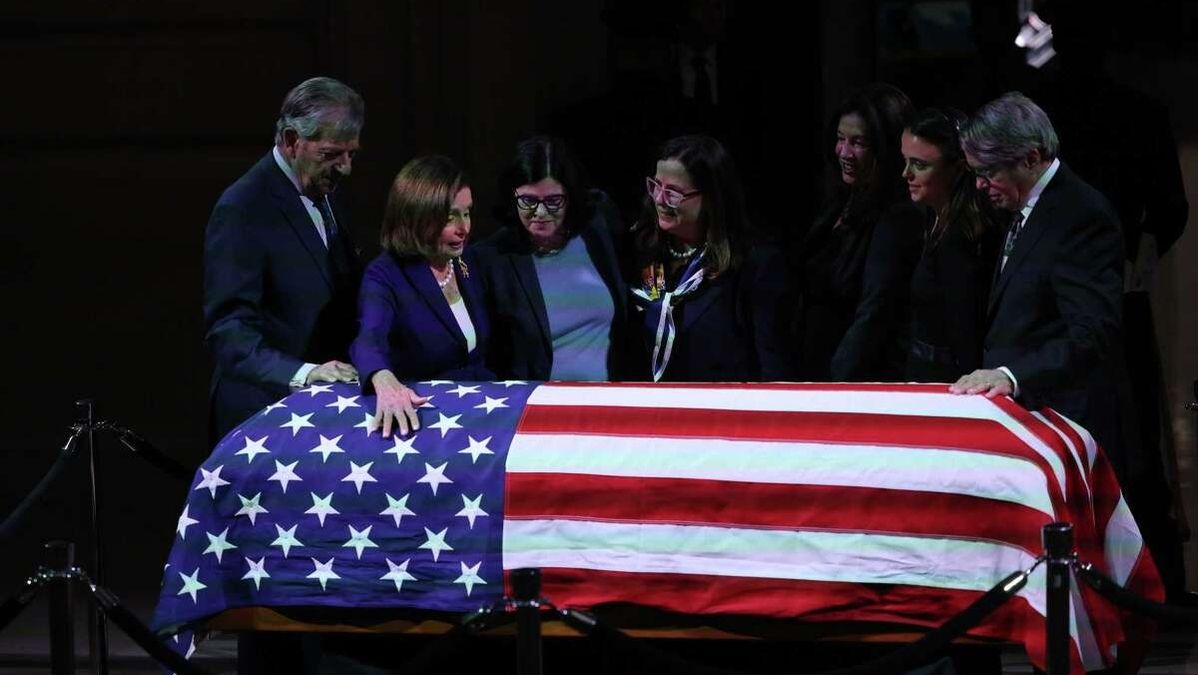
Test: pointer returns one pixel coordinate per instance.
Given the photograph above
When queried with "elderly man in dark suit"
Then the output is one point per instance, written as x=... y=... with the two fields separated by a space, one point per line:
x=1054 y=315
x=1055 y=326
x=280 y=270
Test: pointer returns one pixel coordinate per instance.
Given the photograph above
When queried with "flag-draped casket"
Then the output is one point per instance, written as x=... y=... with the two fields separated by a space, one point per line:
x=811 y=502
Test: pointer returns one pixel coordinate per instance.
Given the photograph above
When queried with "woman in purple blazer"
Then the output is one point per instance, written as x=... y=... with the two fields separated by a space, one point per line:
x=420 y=311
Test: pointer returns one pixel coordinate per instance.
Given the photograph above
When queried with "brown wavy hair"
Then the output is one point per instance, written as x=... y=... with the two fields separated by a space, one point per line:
x=418 y=205
x=723 y=214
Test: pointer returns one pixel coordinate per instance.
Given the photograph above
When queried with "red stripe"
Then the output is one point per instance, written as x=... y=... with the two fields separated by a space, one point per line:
x=766 y=386
x=1079 y=509
x=768 y=425
x=1089 y=529
x=1091 y=523
x=759 y=505
x=1014 y=621
x=820 y=507
x=972 y=435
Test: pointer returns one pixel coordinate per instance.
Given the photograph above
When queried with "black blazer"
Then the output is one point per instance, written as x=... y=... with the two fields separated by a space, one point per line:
x=521 y=346
x=1055 y=309
x=950 y=291
x=734 y=328
x=854 y=282
x=274 y=296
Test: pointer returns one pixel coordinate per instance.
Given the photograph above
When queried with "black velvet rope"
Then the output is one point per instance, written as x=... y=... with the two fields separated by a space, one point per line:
x=141 y=634
x=136 y=444
x=13 y=520
x=917 y=653
x=1132 y=602
x=13 y=606
x=149 y=452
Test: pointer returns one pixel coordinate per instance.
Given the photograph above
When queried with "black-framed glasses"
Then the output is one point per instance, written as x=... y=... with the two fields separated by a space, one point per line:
x=668 y=196
x=552 y=203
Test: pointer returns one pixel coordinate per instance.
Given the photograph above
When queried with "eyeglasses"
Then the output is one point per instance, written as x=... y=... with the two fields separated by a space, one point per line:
x=668 y=196
x=552 y=203
x=989 y=172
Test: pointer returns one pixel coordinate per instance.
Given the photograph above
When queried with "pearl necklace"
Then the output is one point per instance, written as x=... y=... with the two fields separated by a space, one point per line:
x=683 y=254
x=448 y=274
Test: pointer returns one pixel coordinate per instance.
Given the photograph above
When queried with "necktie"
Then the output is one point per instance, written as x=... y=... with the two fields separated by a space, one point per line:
x=702 y=80
x=1012 y=234
x=330 y=223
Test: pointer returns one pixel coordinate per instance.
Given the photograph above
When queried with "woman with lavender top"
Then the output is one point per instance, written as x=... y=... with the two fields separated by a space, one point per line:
x=551 y=274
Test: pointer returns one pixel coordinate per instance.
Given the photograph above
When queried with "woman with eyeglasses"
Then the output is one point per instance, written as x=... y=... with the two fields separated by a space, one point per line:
x=855 y=263
x=711 y=305
x=951 y=283
x=551 y=274
x=420 y=309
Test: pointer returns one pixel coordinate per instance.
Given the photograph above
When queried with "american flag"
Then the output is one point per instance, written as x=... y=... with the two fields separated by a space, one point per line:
x=816 y=502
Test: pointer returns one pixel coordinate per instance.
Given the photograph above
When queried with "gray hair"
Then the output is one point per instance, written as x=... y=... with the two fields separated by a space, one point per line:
x=320 y=107
x=1004 y=130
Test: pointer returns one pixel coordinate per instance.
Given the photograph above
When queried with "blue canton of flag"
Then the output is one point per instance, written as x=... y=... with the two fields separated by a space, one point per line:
x=307 y=504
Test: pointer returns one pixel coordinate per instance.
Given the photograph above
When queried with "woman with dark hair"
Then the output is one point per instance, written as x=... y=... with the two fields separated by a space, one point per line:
x=711 y=306
x=551 y=274
x=855 y=262
x=420 y=311
x=951 y=283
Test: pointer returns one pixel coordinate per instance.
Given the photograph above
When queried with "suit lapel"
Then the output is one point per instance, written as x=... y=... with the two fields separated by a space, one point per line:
x=604 y=260
x=288 y=201
x=1035 y=227
x=342 y=250
x=526 y=274
x=421 y=278
x=474 y=306
x=701 y=300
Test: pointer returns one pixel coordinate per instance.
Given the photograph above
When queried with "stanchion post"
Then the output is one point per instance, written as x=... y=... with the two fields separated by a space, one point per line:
x=59 y=557
x=526 y=584
x=1058 y=549
x=97 y=627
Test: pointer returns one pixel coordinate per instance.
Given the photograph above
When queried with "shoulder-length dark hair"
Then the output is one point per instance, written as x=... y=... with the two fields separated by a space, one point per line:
x=968 y=210
x=536 y=159
x=418 y=205
x=723 y=215
x=886 y=110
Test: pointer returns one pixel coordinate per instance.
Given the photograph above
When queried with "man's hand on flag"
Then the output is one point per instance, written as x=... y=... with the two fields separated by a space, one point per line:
x=991 y=383
x=332 y=371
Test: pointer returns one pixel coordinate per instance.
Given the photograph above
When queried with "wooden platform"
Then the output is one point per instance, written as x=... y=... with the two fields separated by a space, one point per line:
x=635 y=621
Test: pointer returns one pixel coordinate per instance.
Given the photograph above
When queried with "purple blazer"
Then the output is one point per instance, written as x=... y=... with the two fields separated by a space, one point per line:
x=405 y=324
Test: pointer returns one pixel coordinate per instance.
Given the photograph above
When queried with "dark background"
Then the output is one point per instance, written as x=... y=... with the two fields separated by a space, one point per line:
x=122 y=123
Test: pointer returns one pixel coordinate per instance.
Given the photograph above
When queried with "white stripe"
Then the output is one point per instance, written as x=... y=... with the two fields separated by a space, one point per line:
x=1087 y=439
x=849 y=401
x=847 y=557
x=764 y=554
x=1122 y=543
x=983 y=475
x=1083 y=467
x=757 y=398
x=1082 y=630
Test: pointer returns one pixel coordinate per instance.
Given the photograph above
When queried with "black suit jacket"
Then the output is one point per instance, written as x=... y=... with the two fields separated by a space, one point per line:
x=1055 y=309
x=734 y=328
x=274 y=296
x=521 y=346
x=855 y=281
